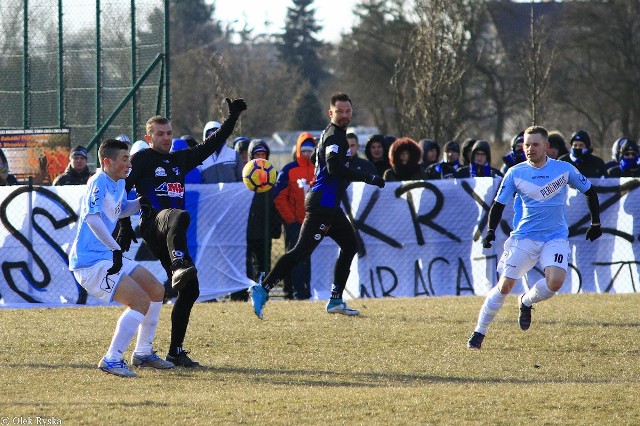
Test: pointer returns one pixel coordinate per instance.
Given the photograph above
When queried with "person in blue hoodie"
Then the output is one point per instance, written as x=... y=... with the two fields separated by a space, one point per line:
x=629 y=165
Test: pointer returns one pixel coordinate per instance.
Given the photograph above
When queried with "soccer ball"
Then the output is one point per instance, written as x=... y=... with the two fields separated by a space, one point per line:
x=259 y=175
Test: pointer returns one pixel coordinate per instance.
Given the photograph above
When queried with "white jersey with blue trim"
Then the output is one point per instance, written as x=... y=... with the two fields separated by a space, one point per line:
x=107 y=198
x=543 y=195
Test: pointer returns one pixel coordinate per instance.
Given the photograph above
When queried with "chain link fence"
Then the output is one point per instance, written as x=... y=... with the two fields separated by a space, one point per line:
x=72 y=64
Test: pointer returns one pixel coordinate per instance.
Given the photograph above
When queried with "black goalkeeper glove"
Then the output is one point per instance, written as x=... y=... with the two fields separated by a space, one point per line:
x=488 y=240
x=125 y=234
x=236 y=106
x=117 y=263
x=375 y=180
x=594 y=232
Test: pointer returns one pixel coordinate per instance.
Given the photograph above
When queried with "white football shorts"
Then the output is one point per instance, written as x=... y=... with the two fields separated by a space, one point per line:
x=520 y=255
x=95 y=280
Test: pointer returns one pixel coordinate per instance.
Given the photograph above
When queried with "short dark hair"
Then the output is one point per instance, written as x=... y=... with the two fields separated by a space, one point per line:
x=537 y=130
x=109 y=149
x=339 y=96
x=352 y=136
x=156 y=119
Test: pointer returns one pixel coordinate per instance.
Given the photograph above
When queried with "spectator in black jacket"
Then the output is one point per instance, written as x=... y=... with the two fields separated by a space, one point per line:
x=516 y=155
x=355 y=162
x=629 y=161
x=259 y=238
x=465 y=151
x=376 y=152
x=430 y=153
x=404 y=156
x=557 y=145
x=480 y=162
x=447 y=168
x=581 y=156
x=77 y=172
x=616 y=153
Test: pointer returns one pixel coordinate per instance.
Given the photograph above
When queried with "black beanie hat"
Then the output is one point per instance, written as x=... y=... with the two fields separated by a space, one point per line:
x=582 y=136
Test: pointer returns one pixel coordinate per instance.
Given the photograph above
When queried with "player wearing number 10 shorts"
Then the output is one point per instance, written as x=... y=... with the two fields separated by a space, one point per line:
x=541 y=232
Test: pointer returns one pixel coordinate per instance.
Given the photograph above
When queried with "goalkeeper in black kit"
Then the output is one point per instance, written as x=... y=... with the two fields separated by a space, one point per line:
x=323 y=215
x=159 y=176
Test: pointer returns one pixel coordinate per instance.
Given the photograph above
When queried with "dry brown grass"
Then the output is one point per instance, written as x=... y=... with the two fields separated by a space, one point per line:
x=404 y=361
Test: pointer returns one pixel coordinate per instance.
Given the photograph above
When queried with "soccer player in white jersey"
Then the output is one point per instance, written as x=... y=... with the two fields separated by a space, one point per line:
x=97 y=263
x=541 y=232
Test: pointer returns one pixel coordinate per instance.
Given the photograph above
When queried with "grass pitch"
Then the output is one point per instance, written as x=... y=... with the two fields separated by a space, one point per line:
x=403 y=361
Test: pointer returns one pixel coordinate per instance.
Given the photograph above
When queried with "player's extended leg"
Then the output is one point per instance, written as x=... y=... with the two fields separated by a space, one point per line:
x=314 y=228
x=344 y=235
x=143 y=354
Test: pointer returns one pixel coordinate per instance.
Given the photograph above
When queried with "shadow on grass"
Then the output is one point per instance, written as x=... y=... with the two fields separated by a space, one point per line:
x=321 y=378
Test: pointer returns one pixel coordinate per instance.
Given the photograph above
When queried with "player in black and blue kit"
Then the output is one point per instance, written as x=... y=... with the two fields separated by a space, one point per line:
x=324 y=217
x=159 y=175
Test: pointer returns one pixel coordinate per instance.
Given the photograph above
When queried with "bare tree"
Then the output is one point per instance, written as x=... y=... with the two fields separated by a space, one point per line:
x=599 y=87
x=538 y=57
x=432 y=78
x=366 y=58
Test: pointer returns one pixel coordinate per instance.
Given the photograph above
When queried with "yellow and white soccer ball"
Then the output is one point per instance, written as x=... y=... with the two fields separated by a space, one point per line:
x=259 y=175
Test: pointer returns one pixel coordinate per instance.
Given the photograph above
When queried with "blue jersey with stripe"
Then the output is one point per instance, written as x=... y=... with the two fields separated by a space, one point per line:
x=542 y=194
x=327 y=190
x=107 y=198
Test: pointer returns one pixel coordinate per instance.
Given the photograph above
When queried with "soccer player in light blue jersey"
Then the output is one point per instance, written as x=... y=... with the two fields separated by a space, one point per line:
x=541 y=233
x=97 y=263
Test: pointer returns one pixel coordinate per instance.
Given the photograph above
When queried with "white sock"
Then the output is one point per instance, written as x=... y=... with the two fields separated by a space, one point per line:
x=147 y=329
x=125 y=330
x=539 y=292
x=490 y=308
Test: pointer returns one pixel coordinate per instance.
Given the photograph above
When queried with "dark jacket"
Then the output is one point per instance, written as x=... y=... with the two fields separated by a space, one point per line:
x=261 y=203
x=71 y=177
x=383 y=164
x=479 y=170
x=442 y=170
x=362 y=165
x=428 y=145
x=588 y=164
x=627 y=166
x=410 y=171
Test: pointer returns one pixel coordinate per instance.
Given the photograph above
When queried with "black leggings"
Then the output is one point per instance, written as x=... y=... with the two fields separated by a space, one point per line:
x=314 y=228
x=165 y=233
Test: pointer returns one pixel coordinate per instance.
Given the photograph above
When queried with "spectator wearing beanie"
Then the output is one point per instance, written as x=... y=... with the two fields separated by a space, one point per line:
x=629 y=161
x=224 y=165
x=557 y=145
x=480 y=162
x=430 y=153
x=516 y=155
x=447 y=168
x=77 y=172
x=261 y=206
x=404 y=157
x=581 y=156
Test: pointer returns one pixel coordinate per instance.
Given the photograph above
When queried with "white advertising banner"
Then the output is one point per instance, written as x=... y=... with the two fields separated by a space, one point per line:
x=415 y=239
